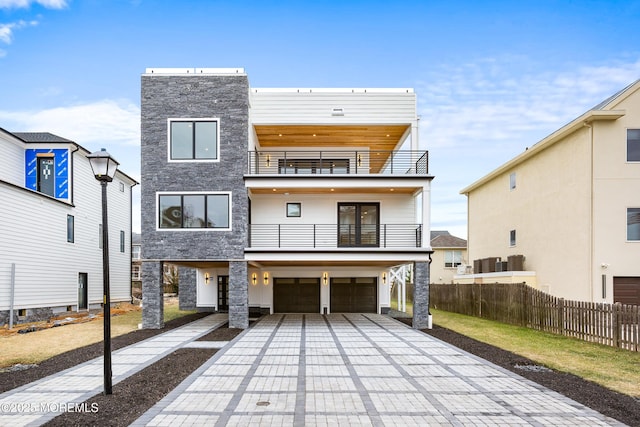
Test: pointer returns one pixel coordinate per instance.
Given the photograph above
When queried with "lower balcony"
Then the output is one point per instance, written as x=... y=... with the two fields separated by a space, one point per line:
x=334 y=236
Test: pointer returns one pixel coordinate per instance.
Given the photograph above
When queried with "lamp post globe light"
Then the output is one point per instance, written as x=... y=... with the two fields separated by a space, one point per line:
x=104 y=169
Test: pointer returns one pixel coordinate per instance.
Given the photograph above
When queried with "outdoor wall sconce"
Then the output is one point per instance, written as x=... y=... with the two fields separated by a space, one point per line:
x=265 y=279
x=206 y=278
x=254 y=279
x=325 y=278
x=268 y=160
x=359 y=160
x=384 y=277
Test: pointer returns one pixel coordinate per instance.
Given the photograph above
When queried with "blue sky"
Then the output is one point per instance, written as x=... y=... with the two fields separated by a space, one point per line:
x=492 y=77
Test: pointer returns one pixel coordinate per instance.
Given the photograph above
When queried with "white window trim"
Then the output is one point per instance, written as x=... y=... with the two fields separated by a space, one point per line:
x=193 y=119
x=187 y=193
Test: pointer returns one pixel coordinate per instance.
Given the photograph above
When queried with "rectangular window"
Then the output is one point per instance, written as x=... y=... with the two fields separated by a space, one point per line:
x=122 y=240
x=512 y=238
x=70 y=229
x=135 y=252
x=633 y=145
x=194 y=211
x=512 y=181
x=633 y=224
x=135 y=272
x=294 y=210
x=193 y=139
x=122 y=187
x=452 y=258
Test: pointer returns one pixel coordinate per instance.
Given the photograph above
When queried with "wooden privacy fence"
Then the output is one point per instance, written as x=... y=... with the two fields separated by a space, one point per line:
x=616 y=325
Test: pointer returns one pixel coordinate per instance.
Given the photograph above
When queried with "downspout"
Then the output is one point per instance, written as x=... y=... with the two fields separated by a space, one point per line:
x=591 y=238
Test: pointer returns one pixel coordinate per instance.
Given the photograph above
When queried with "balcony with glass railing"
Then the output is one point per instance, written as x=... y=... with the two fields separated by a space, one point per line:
x=335 y=236
x=338 y=162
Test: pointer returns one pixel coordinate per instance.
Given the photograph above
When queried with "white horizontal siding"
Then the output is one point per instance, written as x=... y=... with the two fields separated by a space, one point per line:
x=316 y=108
x=323 y=209
x=34 y=237
x=11 y=161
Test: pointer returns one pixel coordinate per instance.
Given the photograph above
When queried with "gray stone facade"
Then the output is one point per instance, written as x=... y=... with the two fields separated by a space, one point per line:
x=238 y=295
x=187 y=288
x=224 y=97
x=421 y=318
x=152 y=295
x=32 y=315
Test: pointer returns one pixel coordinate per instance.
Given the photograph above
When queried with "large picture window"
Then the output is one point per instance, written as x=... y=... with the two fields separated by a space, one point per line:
x=633 y=224
x=194 y=210
x=193 y=139
x=633 y=145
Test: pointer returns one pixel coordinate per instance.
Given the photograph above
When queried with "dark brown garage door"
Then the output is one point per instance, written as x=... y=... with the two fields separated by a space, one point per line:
x=626 y=290
x=354 y=295
x=296 y=295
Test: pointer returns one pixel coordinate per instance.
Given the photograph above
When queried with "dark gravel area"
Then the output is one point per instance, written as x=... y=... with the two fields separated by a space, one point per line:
x=135 y=395
x=622 y=407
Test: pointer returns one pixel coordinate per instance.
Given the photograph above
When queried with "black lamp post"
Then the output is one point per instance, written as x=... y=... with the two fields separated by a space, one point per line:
x=104 y=168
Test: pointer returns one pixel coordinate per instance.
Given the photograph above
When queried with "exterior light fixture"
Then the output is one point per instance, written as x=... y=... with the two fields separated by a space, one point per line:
x=268 y=160
x=359 y=160
x=206 y=278
x=325 y=278
x=254 y=279
x=104 y=169
x=384 y=277
x=265 y=278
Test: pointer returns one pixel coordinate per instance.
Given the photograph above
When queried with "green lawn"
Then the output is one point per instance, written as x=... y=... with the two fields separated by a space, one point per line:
x=611 y=367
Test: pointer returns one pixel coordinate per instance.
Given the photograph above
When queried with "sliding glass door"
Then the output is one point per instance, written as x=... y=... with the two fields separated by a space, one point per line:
x=359 y=224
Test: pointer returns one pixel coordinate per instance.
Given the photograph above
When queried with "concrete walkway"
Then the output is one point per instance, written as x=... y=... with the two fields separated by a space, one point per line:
x=369 y=370
x=36 y=403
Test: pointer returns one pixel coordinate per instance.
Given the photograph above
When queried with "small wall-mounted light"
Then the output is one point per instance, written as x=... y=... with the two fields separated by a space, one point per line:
x=268 y=160
x=265 y=279
x=206 y=278
x=384 y=277
x=359 y=160
x=325 y=278
x=254 y=279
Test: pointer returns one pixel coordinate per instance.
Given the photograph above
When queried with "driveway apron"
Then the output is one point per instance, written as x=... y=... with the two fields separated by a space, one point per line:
x=356 y=369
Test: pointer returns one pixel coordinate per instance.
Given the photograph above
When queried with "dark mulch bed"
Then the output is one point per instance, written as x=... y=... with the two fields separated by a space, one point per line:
x=622 y=407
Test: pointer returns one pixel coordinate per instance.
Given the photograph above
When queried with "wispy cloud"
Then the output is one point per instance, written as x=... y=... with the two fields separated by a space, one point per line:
x=6 y=30
x=477 y=116
x=107 y=122
x=21 y=4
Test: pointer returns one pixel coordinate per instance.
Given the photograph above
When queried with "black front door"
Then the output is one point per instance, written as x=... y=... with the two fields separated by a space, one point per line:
x=46 y=176
x=223 y=293
x=82 y=291
x=359 y=224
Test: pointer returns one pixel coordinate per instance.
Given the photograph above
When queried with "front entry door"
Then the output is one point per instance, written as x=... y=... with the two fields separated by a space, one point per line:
x=223 y=293
x=358 y=224
x=46 y=180
x=82 y=291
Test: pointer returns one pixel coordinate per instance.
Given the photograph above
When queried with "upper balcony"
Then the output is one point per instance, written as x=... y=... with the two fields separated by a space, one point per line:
x=338 y=162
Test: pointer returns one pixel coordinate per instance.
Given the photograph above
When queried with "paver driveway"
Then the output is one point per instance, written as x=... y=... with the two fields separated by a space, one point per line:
x=356 y=369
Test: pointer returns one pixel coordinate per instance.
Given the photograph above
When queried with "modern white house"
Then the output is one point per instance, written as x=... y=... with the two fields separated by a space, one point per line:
x=280 y=200
x=564 y=215
x=50 y=251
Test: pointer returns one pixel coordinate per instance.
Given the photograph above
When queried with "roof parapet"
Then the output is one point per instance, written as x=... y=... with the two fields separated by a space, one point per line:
x=194 y=71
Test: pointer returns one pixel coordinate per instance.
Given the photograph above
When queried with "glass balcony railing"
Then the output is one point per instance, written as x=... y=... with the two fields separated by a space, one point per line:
x=337 y=162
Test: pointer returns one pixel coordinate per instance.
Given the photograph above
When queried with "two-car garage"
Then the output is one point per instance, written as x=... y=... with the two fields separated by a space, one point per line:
x=626 y=290
x=346 y=295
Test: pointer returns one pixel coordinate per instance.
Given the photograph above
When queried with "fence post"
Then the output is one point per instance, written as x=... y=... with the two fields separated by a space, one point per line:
x=561 y=316
x=617 y=326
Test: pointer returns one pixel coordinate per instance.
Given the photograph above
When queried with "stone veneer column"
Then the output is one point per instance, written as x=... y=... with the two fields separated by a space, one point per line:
x=187 y=288
x=152 y=295
x=238 y=295
x=421 y=295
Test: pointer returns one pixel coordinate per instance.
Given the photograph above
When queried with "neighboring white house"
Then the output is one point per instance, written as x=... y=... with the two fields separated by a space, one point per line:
x=50 y=223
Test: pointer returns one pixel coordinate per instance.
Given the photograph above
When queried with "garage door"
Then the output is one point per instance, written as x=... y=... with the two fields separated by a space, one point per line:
x=354 y=295
x=626 y=290
x=300 y=295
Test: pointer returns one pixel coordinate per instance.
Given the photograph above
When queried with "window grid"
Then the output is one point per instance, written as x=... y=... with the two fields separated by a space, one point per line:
x=194 y=139
x=194 y=211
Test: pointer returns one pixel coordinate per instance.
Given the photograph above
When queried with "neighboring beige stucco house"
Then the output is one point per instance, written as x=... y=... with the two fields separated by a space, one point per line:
x=449 y=256
x=569 y=204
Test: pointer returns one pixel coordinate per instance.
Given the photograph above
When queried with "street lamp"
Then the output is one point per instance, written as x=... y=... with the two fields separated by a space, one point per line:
x=104 y=169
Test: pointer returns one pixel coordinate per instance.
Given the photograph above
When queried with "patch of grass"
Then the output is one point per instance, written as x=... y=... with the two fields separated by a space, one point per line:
x=613 y=368
x=37 y=346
